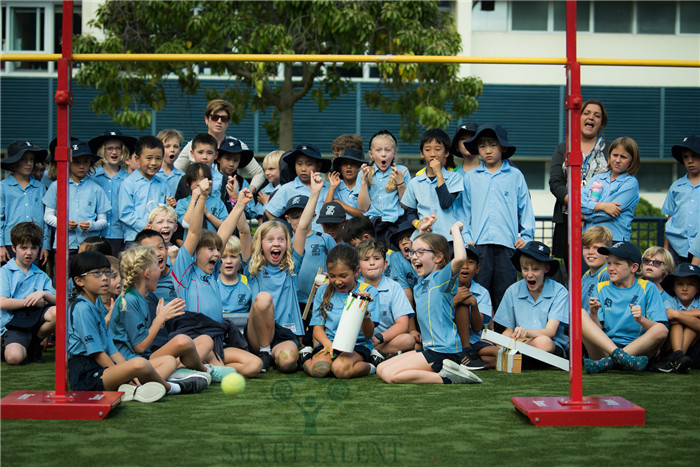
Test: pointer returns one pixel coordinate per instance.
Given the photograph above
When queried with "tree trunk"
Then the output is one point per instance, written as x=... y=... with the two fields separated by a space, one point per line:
x=286 y=129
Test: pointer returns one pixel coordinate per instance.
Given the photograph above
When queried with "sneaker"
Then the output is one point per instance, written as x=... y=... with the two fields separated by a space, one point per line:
x=192 y=384
x=472 y=361
x=457 y=373
x=660 y=365
x=219 y=372
x=182 y=373
x=376 y=357
x=598 y=366
x=629 y=362
x=267 y=361
x=148 y=392
x=305 y=353
x=679 y=362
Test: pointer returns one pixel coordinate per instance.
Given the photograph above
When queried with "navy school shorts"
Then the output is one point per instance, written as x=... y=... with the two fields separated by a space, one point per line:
x=435 y=359
x=359 y=348
x=84 y=374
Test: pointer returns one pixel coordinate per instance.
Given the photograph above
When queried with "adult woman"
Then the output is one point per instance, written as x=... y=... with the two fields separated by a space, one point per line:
x=595 y=149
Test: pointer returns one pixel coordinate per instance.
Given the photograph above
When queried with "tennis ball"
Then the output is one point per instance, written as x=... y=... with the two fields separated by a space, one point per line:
x=233 y=384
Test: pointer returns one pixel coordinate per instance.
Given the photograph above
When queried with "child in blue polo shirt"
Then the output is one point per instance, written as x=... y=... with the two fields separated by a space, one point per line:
x=172 y=146
x=27 y=314
x=683 y=311
x=592 y=239
x=657 y=263
x=344 y=187
x=232 y=154
x=20 y=196
x=399 y=265
x=627 y=321
x=143 y=189
x=464 y=133
x=610 y=198
x=536 y=308
x=271 y=166
x=438 y=191
x=233 y=285
x=498 y=209
x=214 y=209
x=112 y=147
x=682 y=204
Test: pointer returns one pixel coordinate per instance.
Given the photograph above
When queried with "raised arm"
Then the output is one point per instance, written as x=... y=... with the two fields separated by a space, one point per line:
x=197 y=202
x=307 y=215
x=229 y=225
x=460 y=254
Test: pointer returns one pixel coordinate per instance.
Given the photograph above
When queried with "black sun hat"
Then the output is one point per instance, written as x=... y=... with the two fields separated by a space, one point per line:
x=232 y=145
x=691 y=142
x=493 y=129
x=348 y=154
x=464 y=128
x=96 y=143
x=19 y=148
x=311 y=151
x=682 y=270
x=539 y=251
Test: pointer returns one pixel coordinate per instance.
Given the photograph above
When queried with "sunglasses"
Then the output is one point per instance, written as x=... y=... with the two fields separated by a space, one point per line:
x=222 y=118
x=655 y=263
x=420 y=252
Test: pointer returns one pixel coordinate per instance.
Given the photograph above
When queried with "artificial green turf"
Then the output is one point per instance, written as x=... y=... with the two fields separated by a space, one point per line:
x=362 y=421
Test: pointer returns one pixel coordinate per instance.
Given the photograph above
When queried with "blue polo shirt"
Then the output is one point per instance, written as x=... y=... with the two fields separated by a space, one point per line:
x=137 y=197
x=435 y=311
x=236 y=298
x=497 y=206
x=19 y=204
x=214 y=206
x=618 y=323
x=675 y=304
x=316 y=249
x=695 y=247
x=624 y=190
x=400 y=269
x=393 y=304
x=87 y=331
x=483 y=301
x=111 y=186
x=589 y=282
x=682 y=205
x=268 y=189
x=171 y=181
x=278 y=203
x=518 y=308
x=199 y=290
x=14 y=283
x=383 y=204
x=347 y=195
x=130 y=323
x=421 y=194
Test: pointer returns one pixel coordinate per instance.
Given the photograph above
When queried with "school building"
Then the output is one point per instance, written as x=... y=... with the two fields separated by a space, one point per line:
x=655 y=106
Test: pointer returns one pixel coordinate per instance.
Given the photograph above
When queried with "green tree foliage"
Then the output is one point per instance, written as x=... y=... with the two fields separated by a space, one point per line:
x=428 y=94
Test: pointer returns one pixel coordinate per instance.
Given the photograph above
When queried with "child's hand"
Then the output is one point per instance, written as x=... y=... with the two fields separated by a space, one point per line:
x=4 y=255
x=204 y=187
x=316 y=182
x=232 y=187
x=172 y=253
x=244 y=197
x=263 y=198
x=72 y=224
x=636 y=312
x=397 y=176
x=416 y=336
x=171 y=201
x=456 y=227
x=334 y=180
x=175 y=308
x=613 y=209
x=435 y=166
x=426 y=225
x=463 y=296
x=593 y=305
x=366 y=173
x=35 y=299
x=519 y=243
x=84 y=225
x=519 y=333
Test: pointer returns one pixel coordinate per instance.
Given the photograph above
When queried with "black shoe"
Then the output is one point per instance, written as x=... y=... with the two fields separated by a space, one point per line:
x=305 y=353
x=376 y=357
x=192 y=384
x=679 y=362
x=267 y=361
x=473 y=362
x=659 y=365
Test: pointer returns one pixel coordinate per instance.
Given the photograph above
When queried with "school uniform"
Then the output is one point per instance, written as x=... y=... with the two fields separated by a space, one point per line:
x=14 y=283
x=165 y=290
x=483 y=301
x=277 y=205
x=624 y=190
x=393 y=304
x=615 y=315
x=675 y=304
x=171 y=180
x=217 y=182
x=111 y=186
x=518 y=308
x=589 y=282
x=214 y=206
x=130 y=323
x=422 y=195
x=236 y=298
x=199 y=290
x=332 y=319
x=137 y=197
x=695 y=247
x=87 y=200
x=435 y=311
x=682 y=205
x=316 y=249
x=383 y=204
x=268 y=189
x=348 y=195
x=400 y=269
x=19 y=204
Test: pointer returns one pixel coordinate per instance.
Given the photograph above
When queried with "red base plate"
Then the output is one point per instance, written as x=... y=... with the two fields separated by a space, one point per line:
x=595 y=411
x=43 y=405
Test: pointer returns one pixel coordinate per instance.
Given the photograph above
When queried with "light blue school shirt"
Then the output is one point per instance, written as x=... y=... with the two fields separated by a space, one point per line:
x=624 y=190
x=383 y=204
x=435 y=311
x=421 y=194
x=19 y=204
x=278 y=203
x=111 y=188
x=235 y=298
x=400 y=269
x=347 y=195
x=214 y=205
x=497 y=206
x=682 y=204
x=130 y=323
x=268 y=190
x=332 y=318
x=618 y=323
x=87 y=331
x=393 y=304
x=589 y=282
x=675 y=304
x=137 y=197
x=165 y=290
x=664 y=295
x=14 y=283
x=316 y=249
x=86 y=200
x=199 y=290
x=171 y=181
x=483 y=301
x=217 y=180
x=282 y=285
x=695 y=247
x=518 y=308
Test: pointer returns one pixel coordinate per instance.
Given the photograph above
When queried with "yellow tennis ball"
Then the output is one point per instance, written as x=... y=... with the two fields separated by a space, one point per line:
x=233 y=384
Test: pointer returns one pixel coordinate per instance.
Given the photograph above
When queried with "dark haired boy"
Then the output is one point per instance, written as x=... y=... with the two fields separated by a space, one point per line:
x=232 y=154
x=143 y=189
x=27 y=299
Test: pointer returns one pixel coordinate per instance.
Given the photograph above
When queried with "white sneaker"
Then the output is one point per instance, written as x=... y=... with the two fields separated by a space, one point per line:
x=182 y=373
x=457 y=373
x=148 y=392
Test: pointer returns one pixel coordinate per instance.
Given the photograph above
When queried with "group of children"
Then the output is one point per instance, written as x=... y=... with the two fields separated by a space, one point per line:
x=161 y=285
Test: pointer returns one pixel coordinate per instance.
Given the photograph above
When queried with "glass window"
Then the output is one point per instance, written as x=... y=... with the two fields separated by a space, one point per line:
x=656 y=17
x=613 y=17
x=529 y=16
x=690 y=17
x=534 y=172
x=27 y=29
x=582 y=16
x=655 y=176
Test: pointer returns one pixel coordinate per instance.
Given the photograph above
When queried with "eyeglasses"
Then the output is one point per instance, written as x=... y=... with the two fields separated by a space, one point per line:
x=420 y=252
x=100 y=273
x=222 y=118
x=113 y=149
x=655 y=263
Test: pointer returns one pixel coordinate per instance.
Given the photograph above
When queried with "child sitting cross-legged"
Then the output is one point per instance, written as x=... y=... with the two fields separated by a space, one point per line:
x=596 y=237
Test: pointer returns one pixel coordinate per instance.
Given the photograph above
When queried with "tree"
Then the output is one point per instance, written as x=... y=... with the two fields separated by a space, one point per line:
x=429 y=94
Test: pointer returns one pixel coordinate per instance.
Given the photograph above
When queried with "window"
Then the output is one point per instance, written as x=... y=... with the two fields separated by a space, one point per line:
x=690 y=14
x=656 y=17
x=529 y=16
x=613 y=17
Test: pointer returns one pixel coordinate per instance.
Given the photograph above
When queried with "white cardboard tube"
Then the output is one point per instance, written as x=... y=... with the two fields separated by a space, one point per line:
x=350 y=323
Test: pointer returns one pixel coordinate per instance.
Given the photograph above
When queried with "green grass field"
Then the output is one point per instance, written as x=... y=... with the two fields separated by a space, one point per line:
x=297 y=420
